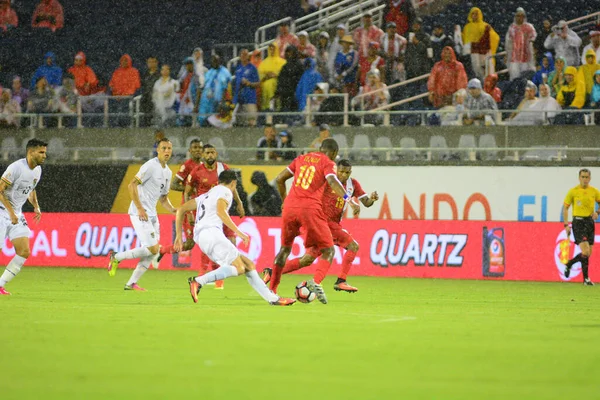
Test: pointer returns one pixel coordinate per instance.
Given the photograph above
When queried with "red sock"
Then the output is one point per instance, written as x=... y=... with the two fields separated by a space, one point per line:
x=322 y=268
x=166 y=249
x=292 y=265
x=275 y=278
x=347 y=264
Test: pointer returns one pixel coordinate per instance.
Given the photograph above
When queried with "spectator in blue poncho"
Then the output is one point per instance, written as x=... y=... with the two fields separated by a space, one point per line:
x=546 y=66
x=215 y=84
x=48 y=70
x=308 y=82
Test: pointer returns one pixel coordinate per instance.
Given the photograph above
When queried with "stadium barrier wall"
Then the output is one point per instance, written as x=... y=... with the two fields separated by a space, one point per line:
x=416 y=249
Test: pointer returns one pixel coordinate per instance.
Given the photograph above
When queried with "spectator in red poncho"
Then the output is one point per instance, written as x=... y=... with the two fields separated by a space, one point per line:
x=402 y=13
x=489 y=86
x=8 y=16
x=372 y=62
x=125 y=80
x=48 y=14
x=85 y=78
x=447 y=77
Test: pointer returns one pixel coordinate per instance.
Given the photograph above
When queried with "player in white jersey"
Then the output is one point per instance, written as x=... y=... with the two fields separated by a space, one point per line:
x=150 y=185
x=17 y=185
x=211 y=213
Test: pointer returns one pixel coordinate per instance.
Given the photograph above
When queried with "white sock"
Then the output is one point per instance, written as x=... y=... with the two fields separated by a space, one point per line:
x=139 y=252
x=223 y=272
x=12 y=269
x=260 y=287
x=141 y=268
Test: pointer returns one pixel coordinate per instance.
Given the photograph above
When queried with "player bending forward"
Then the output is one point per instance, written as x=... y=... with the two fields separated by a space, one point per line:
x=17 y=186
x=212 y=211
x=150 y=184
x=303 y=208
x=333 y=207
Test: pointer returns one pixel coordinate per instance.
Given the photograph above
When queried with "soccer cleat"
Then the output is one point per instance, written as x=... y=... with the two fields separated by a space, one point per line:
x=136 y=287
x=587 y=282
x=318 y=290
x=267 y=272
x=159 y=257
x=4 y=292
x=220 y=285
x=194 y=288
x=283 y=301
x=113 y=264
x=344 y=287
x=567 y=270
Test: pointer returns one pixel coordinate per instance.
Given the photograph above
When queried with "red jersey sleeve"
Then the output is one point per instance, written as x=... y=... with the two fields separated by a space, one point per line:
x=292 y=166
x=329 y=168
x=184 y=171
x=358 y=190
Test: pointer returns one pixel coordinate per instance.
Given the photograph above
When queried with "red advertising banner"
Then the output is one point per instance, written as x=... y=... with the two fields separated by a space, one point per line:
x=530 y=251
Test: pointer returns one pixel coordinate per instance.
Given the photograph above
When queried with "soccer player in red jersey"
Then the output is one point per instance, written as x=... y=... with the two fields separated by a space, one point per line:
x=302 y=208
x=333 y=207
x=199 y=181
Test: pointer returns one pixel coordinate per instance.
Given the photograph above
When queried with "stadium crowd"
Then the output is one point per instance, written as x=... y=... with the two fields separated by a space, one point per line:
x=549 y=71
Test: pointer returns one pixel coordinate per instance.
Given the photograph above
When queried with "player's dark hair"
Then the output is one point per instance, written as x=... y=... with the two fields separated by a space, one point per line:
x=329 y=144
x=165 y=139
x=194 y=141
x=581 y=171
x=344 y=162
x=227 y=176
x=208 y=146
x=35 y=143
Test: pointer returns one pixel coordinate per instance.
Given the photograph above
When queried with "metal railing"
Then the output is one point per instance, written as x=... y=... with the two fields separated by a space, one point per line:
x=231 y=50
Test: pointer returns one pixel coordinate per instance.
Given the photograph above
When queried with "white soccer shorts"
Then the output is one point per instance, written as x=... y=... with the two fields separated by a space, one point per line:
x=147 y=231
x=12 y=232
x=216 y=246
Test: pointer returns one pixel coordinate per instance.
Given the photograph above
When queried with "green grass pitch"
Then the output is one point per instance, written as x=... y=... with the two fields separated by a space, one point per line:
x=75 y=334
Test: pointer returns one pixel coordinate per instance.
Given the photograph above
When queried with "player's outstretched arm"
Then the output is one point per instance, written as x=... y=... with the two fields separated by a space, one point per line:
x=166 y=203
x=566 y=218
x=135 y=197
x=177 y=184
x=281 y=179
x=337 y=187
x=222 y=213
x=11 y=212
x=36 y=207
x=180 y=215
x=369 y=201
x=238 y=202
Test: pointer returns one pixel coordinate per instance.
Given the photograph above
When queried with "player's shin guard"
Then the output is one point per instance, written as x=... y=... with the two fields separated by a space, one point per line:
x=291 y=266
x=221 y=273
x=12 y=269
x=275 y=278
x=140 y=252
x=347 y=261
x=584 y=266
x=259 y=286
x=141 y=268
x=322 y=268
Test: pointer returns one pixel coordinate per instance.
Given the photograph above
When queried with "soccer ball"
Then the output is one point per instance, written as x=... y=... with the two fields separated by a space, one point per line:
x=303 y=293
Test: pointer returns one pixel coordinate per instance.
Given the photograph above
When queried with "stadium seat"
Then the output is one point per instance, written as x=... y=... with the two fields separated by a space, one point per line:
x=342 y=142
x=10 y=149
x=468 y=143
x=488 y=140
x=57 y=149
x=220 y=146
x=384 y=142
x=408 y=151
x=361 y=148
x=178 y=150
x=123 y=154
x=439 y=142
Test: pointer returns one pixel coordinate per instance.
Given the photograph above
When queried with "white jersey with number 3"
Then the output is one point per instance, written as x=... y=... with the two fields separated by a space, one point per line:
x=154 y=182
x=206 y=211
x=21 y=181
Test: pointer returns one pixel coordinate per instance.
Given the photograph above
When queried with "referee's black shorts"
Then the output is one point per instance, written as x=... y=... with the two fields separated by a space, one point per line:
x=584 y=229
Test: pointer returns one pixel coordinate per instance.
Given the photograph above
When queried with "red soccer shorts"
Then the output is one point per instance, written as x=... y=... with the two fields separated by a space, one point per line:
x=341 y=238
x=312 y=221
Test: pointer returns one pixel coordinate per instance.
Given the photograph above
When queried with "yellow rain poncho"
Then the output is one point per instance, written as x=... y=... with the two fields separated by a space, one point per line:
x=480 y=34
x=273 y=63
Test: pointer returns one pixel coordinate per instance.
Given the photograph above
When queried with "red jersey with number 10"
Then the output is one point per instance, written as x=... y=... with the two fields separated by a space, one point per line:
x=202 y=179
x=310 y=180
x=334 y=205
